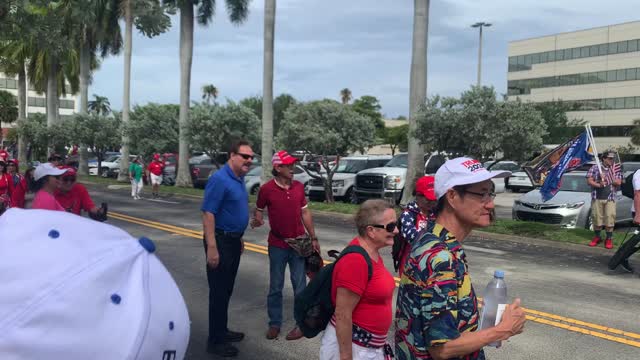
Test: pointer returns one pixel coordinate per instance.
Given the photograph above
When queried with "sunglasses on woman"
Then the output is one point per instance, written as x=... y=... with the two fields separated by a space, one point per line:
x=390 y=227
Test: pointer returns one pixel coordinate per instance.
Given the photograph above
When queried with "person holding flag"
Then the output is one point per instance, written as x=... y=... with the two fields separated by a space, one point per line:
x=604 y=181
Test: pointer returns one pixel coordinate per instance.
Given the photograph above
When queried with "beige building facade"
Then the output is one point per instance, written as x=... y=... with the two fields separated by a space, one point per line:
x=36 y=103
x=596 y=70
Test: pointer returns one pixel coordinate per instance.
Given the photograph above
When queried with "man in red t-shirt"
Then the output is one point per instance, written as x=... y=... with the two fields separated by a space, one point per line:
x=155 y=174
x=73 y=196
x=289 y=216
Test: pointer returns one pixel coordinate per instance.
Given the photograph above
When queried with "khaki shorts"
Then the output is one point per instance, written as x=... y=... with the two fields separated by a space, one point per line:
x=156 y=179
x=603 y=213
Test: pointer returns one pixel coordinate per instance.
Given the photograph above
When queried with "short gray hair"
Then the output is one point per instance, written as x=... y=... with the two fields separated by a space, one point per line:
x=369 y=213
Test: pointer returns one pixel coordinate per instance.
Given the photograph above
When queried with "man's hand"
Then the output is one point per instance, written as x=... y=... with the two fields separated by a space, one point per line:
x=636 y=219
x=255 y=222
x=513 y=320
x=213 y=257
x=316 y=245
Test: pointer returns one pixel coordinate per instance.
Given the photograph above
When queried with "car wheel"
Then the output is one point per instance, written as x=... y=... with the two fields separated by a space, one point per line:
x=104 y=172
x=350 y=196
x=254 y=189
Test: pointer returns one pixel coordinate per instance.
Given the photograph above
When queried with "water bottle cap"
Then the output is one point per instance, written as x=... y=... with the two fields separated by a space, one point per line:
x=499 y=274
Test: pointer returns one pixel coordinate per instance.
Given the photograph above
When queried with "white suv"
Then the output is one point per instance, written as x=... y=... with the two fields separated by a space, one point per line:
x=344 y=177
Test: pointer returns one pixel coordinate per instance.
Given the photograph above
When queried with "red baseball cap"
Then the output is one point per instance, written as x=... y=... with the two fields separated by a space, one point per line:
x=70 y=170
x=282 y=158
x=425 y=186
x=156 y=156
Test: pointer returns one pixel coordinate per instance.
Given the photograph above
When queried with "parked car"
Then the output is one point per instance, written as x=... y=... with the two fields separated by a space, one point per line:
x=500 y=183
x=344 y=178
x=518 y=181
x=571 y=207
x=252 y=179
x=202 y=167
x=110 y=167
x=388 y=182
x=630 y=167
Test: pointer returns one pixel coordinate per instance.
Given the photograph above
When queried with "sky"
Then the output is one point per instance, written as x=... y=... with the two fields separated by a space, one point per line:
x=323 y=46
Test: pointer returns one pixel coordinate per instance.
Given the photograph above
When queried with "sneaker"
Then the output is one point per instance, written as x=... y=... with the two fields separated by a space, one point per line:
x=595 y=241
x=608 y=243
x=626 y=266
x=273 y=332
x=223 y=350
x=294 y=334
x=233 y=336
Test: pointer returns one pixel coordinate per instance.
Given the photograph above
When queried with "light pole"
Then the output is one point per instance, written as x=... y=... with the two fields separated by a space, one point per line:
x=480 y=25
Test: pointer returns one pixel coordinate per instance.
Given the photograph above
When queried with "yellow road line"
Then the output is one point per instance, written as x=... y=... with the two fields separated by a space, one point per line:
x=535 y=315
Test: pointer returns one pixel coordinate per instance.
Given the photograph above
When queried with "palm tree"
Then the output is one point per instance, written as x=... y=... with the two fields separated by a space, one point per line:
x=13 y=56
x=238 y=11
x=267 y=88
x=157 y=22
x=209 y=92
x=417 y=93
x=345 y=95
x=100 y=105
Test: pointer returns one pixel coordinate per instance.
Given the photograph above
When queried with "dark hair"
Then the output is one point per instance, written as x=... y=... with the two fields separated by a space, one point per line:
x=274 y=172
x=37 y=185
x=442 y=202
x=235 y=145
x=369 y=211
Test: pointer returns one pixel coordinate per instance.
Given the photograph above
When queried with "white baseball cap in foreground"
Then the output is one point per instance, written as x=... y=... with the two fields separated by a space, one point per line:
x=463 y=171
x=45 y=169
x=76 y=289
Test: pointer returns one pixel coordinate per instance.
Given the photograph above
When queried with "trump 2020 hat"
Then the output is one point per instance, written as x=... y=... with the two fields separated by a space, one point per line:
x=45 y=169
x=75 y=289
x=425 y=186
x=463 y=171
x=282 y=158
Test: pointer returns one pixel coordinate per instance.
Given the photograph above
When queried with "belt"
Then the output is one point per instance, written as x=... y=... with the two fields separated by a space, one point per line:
x=229 y=233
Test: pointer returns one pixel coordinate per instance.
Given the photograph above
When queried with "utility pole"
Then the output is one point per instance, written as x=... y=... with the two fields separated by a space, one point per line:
x=480 y=25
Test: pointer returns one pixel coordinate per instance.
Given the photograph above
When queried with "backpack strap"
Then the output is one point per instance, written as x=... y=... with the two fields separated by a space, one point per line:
x=360 y=250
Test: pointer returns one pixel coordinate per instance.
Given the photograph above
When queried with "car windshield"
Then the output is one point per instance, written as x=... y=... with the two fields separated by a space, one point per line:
x=630 y=167
x=111 y=158
x=351 y=166
x=575 y=183
x=400 y=161
x=505 y=166
x=256 y=171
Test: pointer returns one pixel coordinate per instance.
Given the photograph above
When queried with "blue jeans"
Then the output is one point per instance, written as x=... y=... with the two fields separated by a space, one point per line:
x=278 y=260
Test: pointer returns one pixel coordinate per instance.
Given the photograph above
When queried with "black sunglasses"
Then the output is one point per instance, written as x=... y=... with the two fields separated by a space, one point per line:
x=246 y=156
x=390 y=227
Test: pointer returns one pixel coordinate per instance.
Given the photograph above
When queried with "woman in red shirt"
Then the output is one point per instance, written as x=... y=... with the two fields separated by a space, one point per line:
x=20 y=185
x=6 y=186
x=363 y=313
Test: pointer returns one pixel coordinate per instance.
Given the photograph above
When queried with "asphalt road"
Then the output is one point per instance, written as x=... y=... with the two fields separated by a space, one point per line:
x=576 y=307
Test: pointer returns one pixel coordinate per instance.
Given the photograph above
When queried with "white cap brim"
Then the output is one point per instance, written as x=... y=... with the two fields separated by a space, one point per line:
x=47 y=171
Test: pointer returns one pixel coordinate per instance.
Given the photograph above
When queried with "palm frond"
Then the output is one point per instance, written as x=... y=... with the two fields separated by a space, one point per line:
x=238 y=10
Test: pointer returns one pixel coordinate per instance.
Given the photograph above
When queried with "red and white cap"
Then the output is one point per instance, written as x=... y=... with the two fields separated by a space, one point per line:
x=282 y=158
x=463 y=171
x=104 y=295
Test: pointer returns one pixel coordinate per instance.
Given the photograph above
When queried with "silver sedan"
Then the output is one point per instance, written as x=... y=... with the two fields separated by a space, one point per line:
x=571 y=207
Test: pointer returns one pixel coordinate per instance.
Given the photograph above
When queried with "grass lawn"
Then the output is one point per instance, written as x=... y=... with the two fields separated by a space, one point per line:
x=507 y=227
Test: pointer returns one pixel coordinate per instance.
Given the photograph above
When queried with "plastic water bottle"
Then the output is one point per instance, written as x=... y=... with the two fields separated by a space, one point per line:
x=494 y=303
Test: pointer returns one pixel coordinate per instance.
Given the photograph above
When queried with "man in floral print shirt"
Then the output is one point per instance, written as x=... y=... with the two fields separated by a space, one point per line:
x=437 y=309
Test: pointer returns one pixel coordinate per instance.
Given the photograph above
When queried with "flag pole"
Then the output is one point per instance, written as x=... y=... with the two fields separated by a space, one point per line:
x=593 y=144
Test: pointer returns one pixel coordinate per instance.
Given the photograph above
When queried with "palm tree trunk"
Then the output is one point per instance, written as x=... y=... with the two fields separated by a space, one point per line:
x=267 y=88
x=85 y=60
x=22 y=112
x=417 y=94
x=52 y=97
x=183 y=177
x=123 y=175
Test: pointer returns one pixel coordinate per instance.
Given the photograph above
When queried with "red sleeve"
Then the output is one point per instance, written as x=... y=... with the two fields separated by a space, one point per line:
x=262 y=202
x=351 y=273
x=85 y=199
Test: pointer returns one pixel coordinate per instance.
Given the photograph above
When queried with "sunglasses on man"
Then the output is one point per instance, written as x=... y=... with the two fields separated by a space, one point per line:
x=246 y=156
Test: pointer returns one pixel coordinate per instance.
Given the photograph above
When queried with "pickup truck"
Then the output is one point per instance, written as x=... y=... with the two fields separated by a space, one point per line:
x=388 y=182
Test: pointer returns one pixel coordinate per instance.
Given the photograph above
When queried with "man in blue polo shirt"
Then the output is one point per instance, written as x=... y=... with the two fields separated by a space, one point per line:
x=225 y=216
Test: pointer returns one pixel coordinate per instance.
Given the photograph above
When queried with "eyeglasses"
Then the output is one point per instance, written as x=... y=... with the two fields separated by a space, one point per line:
x=390 y=227
x=484 y=197
x=246 y=156
x=69 y=179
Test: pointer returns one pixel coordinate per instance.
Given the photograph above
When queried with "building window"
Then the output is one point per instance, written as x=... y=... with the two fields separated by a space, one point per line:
x=3 y=83
x=584 y=52
x=613 y=48
x=620 y=75
x=629 y=103
x=12 y=84
x=633 y=45
x=619 y=103
x=630 y=74
x=622 y=47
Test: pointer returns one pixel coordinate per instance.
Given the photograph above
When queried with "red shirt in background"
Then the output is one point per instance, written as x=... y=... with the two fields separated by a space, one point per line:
x=156 y=167
x=76 y=200
x=6 y=185
x=19 y=193
x=4 y=155
x=284 y=209
x=373 y=312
